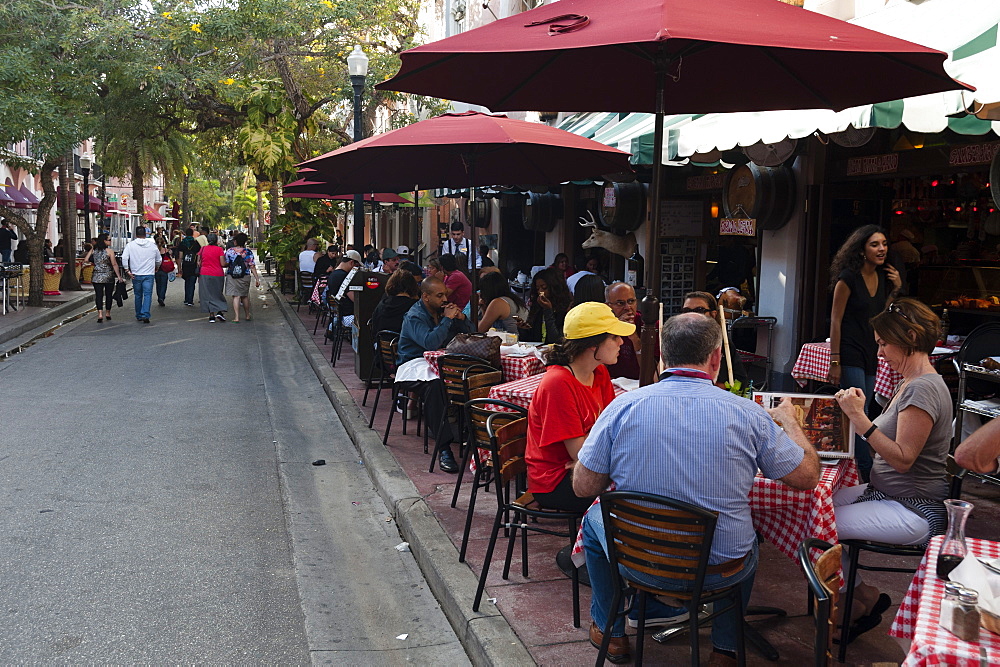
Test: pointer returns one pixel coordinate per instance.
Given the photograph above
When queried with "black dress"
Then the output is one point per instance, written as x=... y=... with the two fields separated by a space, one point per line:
x=857 y=337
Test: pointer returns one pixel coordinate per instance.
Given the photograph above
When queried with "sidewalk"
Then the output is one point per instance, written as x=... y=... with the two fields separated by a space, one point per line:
x=17 y=323
x=538 y=609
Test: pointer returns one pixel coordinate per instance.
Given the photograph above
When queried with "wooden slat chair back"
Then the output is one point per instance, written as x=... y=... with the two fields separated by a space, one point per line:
x=670 y=539
x=509 y=442
x=477 y=413
x=458 y=372
x=384 y=360
x=823 y=581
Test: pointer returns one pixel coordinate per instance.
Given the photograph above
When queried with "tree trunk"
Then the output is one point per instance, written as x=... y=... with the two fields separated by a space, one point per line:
x=69 y=281
x=137 y=194
x=260 y=208
x=185 y=214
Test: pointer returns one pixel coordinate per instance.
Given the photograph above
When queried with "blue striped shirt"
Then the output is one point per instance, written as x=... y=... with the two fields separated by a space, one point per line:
x=686 y=439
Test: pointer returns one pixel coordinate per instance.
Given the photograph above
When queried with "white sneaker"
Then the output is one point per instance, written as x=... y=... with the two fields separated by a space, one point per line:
x=668 y=620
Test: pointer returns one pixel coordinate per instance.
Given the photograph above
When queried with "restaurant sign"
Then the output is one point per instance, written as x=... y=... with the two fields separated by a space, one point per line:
x=873 y=164
x=973 y=154
x=738 y=227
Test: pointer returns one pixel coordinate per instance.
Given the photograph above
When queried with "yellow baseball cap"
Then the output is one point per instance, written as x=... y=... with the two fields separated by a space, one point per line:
x=591 y=319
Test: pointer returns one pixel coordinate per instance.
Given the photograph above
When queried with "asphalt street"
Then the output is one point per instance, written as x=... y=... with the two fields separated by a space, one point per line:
x=159 y=503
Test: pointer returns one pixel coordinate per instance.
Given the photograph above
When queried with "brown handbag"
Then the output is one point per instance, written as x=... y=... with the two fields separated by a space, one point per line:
x=476 y=345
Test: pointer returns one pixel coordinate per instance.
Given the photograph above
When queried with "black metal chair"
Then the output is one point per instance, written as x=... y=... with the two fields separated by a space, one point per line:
x=477 y=414
x=823 y=583
x=465 y=377
x=306 y=281
x=509 y=467
x=323 y=311
x=400 y=392
x=666 y=538
x=856 y=547
x=761 y=362
x=379 y=364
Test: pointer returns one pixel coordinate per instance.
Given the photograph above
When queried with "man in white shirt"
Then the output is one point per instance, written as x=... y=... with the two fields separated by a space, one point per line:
x=141 y=258
x=457 y=243
x=307 y=258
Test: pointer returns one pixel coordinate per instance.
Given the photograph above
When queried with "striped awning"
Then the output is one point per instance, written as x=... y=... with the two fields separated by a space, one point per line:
x=634 y=134
x=966 y=29
x=588 y=123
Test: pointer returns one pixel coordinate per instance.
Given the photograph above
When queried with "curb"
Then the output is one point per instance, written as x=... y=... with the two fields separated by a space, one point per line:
x=487 y=638
x=44 y=317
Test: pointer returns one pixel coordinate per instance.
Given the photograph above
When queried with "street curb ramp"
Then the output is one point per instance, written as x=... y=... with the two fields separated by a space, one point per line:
x=487 y=637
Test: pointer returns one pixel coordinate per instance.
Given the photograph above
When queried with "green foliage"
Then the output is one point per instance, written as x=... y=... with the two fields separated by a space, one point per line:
x=302 y=219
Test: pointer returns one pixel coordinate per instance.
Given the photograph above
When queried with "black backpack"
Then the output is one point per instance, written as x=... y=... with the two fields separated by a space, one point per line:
x=238 y=267
x=189 y=255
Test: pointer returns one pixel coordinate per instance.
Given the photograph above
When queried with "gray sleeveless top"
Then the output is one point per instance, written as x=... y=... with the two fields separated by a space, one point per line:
x=509 y=324
x=103 y=273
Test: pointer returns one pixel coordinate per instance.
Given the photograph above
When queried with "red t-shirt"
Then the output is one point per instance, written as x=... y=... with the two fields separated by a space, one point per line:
x=211 y=262
x=461 y=288
x=561 y=409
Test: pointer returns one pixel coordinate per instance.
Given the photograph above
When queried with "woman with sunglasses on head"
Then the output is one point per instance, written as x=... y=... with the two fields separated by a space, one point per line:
x=863 y=284
x=106 y=273
x=705 y=304
x=902 y=504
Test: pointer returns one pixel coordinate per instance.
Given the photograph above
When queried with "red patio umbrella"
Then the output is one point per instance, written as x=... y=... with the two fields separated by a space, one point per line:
x=670 y=56
x=464 y=149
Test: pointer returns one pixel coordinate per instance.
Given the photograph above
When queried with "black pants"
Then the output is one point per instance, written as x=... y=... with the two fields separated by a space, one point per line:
x=435 y=403
x=103 y=293
x=189 y=282
x=563 y=498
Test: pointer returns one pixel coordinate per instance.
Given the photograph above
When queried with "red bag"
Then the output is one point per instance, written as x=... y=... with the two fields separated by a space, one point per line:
x=167 y=265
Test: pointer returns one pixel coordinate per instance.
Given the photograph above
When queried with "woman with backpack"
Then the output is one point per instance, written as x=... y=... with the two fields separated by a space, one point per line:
x=187 y=260
x=163 y=274
x=239 y=263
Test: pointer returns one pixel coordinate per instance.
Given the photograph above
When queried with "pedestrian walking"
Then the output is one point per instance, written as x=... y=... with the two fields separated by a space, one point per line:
x=7 y=235
x=164 y=274
x=141 y=258
x=211 y=279
x=239 y=263
x=106 y=272
x=187 y=260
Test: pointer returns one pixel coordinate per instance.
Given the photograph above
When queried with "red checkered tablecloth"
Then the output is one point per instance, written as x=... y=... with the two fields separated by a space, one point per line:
x=917 y=618
x=814 y=364
x=520 y=392
x=784 y=515
x=514 y=368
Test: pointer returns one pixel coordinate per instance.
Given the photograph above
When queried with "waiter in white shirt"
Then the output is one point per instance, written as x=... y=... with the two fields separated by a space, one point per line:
x=458 y=243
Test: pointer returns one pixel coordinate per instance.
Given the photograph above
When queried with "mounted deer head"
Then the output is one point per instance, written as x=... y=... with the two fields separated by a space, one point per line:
x=619 y=245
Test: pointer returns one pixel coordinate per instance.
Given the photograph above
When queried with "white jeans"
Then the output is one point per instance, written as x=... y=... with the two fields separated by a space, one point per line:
x=875 y=520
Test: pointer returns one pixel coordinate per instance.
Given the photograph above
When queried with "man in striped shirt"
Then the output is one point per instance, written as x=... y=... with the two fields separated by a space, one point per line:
x=686 y=439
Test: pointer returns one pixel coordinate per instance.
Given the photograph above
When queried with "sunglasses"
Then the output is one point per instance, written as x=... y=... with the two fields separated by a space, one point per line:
x=701 y=310
x=893 y=308
x=621 y=303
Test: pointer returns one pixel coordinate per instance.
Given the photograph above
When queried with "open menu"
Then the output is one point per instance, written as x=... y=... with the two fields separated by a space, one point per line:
x=821 y=419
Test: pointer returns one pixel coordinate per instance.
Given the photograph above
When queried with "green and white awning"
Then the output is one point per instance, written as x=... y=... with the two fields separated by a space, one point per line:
x=587 y=124
x=966 y=29
x=634 y=134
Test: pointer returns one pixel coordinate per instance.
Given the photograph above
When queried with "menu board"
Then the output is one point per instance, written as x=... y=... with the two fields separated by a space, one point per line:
x=822 y=421
x=682 y=218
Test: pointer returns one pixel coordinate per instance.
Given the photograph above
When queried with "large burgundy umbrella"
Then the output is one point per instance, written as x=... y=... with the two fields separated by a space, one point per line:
x=670 y=56
x=310 y=189
x=464 y=149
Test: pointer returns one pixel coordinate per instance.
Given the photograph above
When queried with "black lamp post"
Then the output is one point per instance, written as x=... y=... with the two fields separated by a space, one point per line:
x=357 y=67
x=85 y=163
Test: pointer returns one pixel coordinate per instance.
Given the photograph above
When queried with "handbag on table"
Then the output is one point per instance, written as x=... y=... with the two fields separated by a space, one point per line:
x=476 y=345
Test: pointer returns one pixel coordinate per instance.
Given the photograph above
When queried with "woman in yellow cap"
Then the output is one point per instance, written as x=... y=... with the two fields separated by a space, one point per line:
x=575 y=390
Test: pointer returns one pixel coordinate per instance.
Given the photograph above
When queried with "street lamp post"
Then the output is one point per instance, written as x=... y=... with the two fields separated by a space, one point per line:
x=357 y=67
x=85 y=163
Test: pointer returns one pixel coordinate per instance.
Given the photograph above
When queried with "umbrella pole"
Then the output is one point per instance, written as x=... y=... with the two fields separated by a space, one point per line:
x=473 y=247
x=653 y=262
